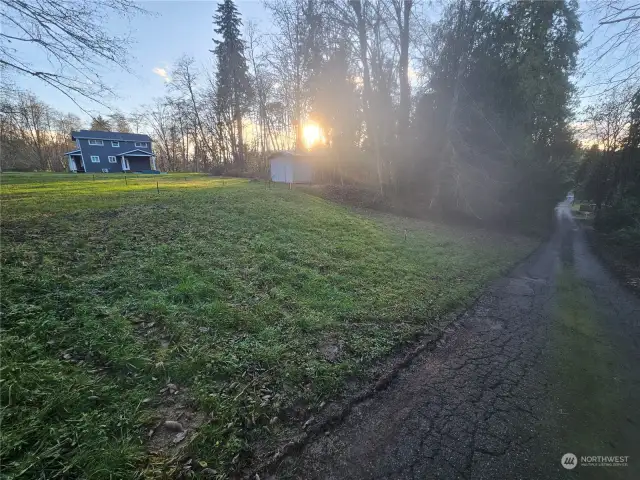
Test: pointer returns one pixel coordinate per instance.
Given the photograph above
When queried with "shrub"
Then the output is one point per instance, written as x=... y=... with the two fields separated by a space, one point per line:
x=629 y=238
x=621 y=215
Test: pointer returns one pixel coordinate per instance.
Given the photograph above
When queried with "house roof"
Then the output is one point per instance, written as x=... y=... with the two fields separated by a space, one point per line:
x=118 y=136
x=136 y=151
x=73 y=152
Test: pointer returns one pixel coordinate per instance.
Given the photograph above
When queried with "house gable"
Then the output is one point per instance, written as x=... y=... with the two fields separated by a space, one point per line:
x=137 y=152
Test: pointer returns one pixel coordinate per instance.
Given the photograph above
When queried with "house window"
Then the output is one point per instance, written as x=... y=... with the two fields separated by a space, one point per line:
x=115 y=144
x=95 y=142
x=112 y=159
x=95 y=159
x=141 y=144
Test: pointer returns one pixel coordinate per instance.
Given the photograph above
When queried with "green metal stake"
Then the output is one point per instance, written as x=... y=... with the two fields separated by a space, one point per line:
x=93 y=177
x=157 y=186
x=125 y=181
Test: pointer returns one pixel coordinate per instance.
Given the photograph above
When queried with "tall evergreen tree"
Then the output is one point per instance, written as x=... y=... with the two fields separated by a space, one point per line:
x=101 y=124
x=498 y=109
x=119 y=122
x=633 y=138
x=233 y=85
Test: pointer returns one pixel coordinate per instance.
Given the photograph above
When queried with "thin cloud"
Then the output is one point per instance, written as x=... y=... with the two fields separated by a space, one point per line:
x=161 y=72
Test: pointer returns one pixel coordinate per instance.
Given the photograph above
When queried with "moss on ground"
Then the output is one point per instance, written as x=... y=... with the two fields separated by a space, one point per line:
x=589 y=383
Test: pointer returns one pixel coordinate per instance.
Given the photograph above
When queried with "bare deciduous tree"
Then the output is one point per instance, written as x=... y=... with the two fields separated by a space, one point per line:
x=613 y=46
x=33 y=136
x=71 y=36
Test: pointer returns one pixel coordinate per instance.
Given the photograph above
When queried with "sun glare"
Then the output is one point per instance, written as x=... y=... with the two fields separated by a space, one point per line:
x=311 y=135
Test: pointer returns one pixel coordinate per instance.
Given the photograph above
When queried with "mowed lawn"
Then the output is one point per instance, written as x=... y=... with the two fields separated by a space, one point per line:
x=221 y=304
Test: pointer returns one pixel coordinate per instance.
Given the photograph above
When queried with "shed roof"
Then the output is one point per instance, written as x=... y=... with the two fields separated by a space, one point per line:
x=296 y=155
x=100 y=135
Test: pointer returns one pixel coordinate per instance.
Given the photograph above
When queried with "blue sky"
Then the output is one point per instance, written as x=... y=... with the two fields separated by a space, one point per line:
x=175 y=28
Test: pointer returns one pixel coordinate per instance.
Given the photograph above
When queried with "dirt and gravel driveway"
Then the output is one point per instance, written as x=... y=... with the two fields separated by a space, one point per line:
x=488 y=401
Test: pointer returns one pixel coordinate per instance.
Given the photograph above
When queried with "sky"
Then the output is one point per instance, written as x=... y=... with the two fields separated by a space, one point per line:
x=174 y=28
x=180 y=27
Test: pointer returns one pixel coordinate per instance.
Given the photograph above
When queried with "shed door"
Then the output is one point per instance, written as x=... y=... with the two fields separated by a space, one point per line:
x=277 y=170
x=289 y=172
x=281 y=170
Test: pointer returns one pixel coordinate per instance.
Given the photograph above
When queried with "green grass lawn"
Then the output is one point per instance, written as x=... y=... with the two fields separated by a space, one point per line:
x=256 y=304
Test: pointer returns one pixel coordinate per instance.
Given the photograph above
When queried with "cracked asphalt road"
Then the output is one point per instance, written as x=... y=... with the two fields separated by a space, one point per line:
x=480 y=405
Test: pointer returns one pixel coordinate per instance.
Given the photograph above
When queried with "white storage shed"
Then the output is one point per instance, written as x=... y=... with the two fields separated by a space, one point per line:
x=289 y=167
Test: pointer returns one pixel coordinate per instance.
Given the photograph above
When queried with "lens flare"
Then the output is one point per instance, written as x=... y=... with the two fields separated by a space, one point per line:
x=311 y=135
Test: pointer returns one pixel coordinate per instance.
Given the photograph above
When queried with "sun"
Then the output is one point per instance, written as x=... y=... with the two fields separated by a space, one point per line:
x=311 y=134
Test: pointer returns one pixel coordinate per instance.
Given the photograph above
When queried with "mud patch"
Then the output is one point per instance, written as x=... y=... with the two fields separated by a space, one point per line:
x=331 y=350
x=173 y=429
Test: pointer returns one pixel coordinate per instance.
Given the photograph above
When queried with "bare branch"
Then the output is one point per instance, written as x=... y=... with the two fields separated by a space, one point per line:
x=73 y=38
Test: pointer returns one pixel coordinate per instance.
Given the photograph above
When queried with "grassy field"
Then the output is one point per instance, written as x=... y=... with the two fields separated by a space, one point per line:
x=220 y=304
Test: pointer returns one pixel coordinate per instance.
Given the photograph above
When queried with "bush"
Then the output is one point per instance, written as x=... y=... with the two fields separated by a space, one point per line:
x=629 y=238
x=621 y=215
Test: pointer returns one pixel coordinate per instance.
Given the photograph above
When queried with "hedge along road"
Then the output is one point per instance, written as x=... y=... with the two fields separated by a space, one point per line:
x=544 y=364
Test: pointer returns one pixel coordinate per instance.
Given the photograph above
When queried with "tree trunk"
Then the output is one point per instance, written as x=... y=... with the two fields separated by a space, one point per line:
x=403 y=13
x=240 y=149
x=356 y=5
x=446 y=154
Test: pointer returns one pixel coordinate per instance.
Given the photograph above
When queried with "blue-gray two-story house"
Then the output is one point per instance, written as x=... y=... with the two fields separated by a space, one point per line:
x=109 y=152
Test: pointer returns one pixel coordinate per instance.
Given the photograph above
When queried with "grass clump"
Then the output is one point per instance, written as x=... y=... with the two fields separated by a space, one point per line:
x=255 y=302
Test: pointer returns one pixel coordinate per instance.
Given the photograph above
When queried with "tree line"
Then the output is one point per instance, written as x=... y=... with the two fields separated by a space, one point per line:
x=609 y=172
x=471 y=113
x=34 y=136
